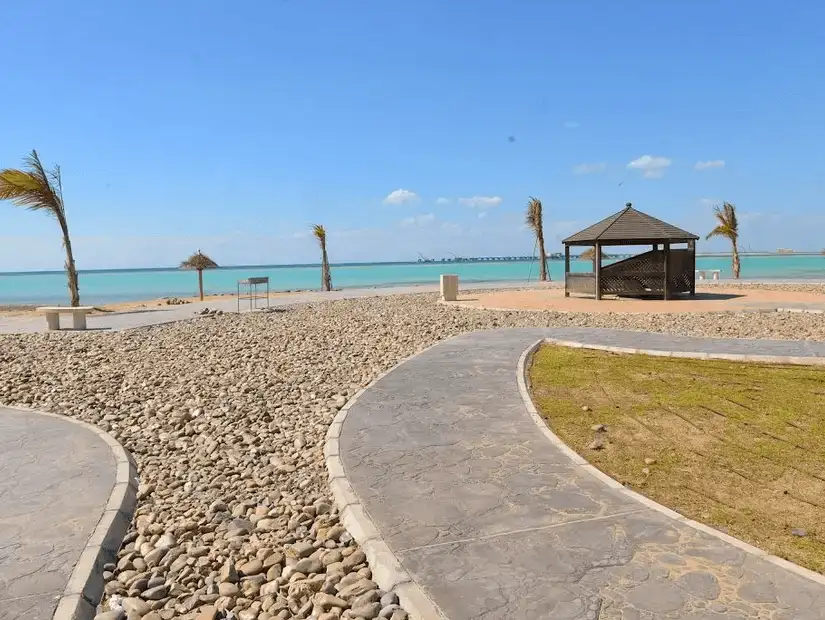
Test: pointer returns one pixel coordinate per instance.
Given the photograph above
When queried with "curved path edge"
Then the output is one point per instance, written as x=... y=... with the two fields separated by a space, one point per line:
x=85 y=586
x=523 y=379
x=388 y=570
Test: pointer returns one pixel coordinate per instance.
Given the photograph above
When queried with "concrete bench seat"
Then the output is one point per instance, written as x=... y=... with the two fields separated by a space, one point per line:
x=53 y=315
x=714 y=273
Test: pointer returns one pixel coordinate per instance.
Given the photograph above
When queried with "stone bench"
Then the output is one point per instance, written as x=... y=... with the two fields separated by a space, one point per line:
x=53 y=315
x=714 y=273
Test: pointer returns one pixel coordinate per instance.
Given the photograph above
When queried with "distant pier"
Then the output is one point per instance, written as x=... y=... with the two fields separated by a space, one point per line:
x=504 y=259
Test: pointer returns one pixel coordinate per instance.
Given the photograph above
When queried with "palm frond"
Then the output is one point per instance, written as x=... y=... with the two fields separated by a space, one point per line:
x=533 y=216
x=33 y=187
x=320 y=233
x=728 y=224
x=198 y=261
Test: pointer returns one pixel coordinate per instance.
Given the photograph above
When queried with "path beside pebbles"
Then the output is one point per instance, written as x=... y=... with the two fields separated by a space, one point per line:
x=495 y=521
x=55 y=484
x=226 y=418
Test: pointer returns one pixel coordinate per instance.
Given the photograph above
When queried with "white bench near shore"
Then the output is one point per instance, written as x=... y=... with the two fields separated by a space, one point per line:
x=53 y=315
x=714 y=273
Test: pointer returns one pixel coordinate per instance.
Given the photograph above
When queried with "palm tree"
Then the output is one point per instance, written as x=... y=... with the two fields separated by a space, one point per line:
x=199 y=261
x=38 y=189
x=533 y=219
x=320 y=234
x=588 y=254
x=727 y=227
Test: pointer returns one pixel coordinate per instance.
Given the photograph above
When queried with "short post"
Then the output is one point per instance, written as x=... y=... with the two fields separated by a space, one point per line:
x=449 y=287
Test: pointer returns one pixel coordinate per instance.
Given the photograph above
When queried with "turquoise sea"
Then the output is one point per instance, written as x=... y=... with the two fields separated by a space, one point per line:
x=101 y=286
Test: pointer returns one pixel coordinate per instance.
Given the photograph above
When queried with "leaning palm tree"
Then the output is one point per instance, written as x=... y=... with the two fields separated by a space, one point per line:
x=727 y=227
x=38 y=189
x=320 y=234
x=199 y=262
x=588 y=254
x=533 y=219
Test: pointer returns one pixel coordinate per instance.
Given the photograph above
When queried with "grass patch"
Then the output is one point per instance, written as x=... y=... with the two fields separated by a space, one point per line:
x=740 y=447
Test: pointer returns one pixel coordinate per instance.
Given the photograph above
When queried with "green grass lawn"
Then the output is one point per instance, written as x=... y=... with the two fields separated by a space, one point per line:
x=740 y=447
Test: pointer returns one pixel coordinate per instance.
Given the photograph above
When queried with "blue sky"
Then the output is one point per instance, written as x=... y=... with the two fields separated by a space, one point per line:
x=232 y=126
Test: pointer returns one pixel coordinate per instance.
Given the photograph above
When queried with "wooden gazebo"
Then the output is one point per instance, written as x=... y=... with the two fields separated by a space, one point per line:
x=657 y=273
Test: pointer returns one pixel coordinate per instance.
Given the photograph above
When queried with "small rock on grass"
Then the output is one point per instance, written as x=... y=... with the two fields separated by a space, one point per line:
x=597 y=443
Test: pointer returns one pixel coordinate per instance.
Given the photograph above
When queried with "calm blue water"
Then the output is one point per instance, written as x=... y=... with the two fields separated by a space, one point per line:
x=126 y=285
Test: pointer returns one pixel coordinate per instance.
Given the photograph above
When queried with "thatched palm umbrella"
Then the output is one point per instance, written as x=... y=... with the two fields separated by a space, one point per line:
x=588 y=254
x=199 y=261
x=535 y=220
x=320 y=233
x=38 y=189
x=728 y=227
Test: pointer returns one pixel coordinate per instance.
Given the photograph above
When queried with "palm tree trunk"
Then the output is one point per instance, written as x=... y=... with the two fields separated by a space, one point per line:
x=71 y=270
x=326 y=278
x=200 y=282
x=735 y=260
x=542 y=258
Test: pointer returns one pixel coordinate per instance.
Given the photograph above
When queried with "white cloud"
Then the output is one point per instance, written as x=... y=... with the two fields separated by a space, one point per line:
x=451 y=227
x=442 y=201
x=652 y=166
x=481 y=202
x=400 y=197
x=418 y=220
x=482 y=215
x=571 y=125
x=590 y=168
x=709 y=202
x=713 y=163
x=300 y=235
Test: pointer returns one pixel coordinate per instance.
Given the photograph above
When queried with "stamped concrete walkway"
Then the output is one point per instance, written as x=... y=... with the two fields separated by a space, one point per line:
x=494 y=521
x=56 y=478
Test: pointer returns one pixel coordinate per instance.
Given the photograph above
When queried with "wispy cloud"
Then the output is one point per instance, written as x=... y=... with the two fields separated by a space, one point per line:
x=707 y=165
x=418 y=220
x=481 y=202
x=400 y=197
x=593 y=168
x=651 y=166
x=442 y=201
x=571 y=125
x=481 y=215
x=709 y=202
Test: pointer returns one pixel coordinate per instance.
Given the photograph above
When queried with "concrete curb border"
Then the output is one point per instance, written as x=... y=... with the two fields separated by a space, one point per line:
x=387 y=570
x=85 y=587
x=523 y=380
x=791 y=360
x=458 y=304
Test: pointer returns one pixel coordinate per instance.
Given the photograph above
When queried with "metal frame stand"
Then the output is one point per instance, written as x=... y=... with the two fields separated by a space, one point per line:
x=252 y=293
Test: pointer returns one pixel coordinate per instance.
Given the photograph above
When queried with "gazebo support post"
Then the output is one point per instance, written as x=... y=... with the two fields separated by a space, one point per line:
x=692 y=250
x=666 y=294
x=566 y=268
x=597 y=259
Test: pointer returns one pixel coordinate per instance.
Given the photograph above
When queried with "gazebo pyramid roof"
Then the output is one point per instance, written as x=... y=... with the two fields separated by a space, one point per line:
x=628 y=227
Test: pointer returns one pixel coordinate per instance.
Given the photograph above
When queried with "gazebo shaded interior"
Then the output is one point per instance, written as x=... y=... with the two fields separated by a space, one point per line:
x=663 y=271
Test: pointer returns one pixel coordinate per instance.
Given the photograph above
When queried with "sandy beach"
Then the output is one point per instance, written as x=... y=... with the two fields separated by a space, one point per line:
x=226 y=418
